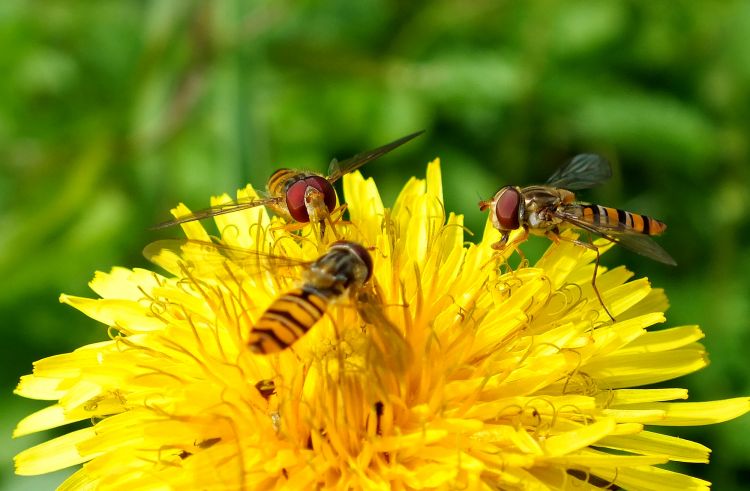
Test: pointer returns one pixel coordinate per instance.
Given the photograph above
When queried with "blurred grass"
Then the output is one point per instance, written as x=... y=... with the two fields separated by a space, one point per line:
x=112 y=112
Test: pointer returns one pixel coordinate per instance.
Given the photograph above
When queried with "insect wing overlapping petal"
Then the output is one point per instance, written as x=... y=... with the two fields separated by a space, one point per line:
x=337 y=169
x=390 y=348
x=583 y=171
x=219 y=210
x=636 y=242
x=212 y=259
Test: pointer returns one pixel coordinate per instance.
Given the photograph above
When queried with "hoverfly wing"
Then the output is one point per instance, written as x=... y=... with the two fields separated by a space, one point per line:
x=337 y=169
x=212 y=259
x=217 y=210
x=583 y=171
x=634 y=241
x=178 y=255
x=389 y=345
x=645 y=246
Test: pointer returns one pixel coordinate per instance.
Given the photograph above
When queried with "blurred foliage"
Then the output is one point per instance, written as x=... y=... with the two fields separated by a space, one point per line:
x=112 y=112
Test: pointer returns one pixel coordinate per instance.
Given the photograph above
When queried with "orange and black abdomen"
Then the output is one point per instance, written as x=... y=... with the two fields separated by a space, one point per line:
x=621 y=219
x=287 y=319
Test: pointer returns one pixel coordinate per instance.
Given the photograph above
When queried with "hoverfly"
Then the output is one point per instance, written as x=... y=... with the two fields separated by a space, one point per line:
x=300 y=196
x=343 y=271
x=546 y=209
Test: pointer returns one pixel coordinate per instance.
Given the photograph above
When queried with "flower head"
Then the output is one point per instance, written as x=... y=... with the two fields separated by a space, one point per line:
x=446 y=369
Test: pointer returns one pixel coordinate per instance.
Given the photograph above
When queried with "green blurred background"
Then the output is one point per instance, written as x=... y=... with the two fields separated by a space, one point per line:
x=112 y=112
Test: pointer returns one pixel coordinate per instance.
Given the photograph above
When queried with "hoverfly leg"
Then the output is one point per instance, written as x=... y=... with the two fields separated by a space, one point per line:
x=503 y=244
x=554 y=236
x=500 y=244
x=332 y=226
x=339 y=211
x=322 y=225
x=330 y=220
x=291 y=227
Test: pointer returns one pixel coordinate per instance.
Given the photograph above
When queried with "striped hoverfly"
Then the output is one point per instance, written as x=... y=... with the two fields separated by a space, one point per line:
x=549 y=208
x=343 y=272
x=299 y=196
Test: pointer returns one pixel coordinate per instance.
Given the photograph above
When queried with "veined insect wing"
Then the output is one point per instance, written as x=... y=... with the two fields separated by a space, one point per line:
x=389 y=347
x=337 y=169
x=583 y=171
x=636 y=242
x=212 y=259
x=219 y=210
x=645 y=246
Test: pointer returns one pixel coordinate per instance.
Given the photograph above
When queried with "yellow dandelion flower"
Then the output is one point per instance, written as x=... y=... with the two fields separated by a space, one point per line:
x=464 y=373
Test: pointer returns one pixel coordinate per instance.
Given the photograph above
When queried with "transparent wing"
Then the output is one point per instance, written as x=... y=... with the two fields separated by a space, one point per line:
x=216 y=260
x=390 y=347
x=337 y=169
x=583 y=171
x=218 y=210
x=636 y=242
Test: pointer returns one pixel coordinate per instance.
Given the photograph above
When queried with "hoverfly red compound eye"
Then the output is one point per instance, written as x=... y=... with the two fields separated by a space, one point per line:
x=507 y=208
x=296 y=193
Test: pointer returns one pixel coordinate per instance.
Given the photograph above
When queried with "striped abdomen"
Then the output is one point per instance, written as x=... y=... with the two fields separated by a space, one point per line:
x=620 y=219
x=287 y=319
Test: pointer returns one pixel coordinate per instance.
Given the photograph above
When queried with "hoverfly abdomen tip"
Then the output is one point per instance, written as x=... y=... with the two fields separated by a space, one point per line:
x=656 y=227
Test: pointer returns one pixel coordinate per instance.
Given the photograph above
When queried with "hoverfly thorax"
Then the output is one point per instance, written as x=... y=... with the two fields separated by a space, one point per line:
x=363 y=268
x=345 y=265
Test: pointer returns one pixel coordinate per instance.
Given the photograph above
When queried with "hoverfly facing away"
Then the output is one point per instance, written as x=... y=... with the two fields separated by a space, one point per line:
x=343 y=271
x=299 y=196
x=345 y=267
x=546 y=209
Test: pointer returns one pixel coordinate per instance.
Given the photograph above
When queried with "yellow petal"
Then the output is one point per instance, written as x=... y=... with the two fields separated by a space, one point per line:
x=53 y=455
x=645 y=368
x=575 y=440
x=664 y=340
x=650 y=443
x=652 y=479
x=38 y=387
x=126 y=315
x=192 y=230
x=124 y=284
x=636 y=396
x=43 y=419
x=699 y=413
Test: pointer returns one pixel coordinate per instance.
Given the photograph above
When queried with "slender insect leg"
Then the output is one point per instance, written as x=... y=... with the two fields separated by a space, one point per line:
x=503 y=243
x=556 y=238
x=337 y=216
x=291 y=227
x=332 y=219
x=322 y=225
x=340 y=210
x=332 y=225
